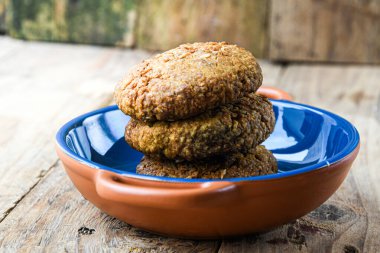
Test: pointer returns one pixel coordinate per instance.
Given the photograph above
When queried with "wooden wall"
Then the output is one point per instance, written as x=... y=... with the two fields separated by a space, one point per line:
x=283 y=30
x=3 y=4
x=79 y=21
x=166 y=23
x=325 y=30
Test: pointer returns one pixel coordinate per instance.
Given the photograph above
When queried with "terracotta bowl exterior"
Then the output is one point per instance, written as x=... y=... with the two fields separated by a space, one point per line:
x=213 y=208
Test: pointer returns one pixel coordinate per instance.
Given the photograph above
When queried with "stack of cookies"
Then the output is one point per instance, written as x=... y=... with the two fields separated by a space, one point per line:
x=194 y=113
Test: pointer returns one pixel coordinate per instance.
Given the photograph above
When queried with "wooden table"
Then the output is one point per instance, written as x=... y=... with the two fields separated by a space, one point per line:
x=42 y=85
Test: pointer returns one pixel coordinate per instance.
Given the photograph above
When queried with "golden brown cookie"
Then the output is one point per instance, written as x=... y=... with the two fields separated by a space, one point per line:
x=258 y=161
x=188 y=80
x=229 y=128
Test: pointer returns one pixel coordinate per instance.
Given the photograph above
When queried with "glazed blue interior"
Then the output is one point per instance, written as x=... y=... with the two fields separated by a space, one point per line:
x=305 y=138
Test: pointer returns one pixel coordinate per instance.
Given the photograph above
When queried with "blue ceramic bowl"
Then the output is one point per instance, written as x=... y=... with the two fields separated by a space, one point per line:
x=314 y=149
x=305 y=138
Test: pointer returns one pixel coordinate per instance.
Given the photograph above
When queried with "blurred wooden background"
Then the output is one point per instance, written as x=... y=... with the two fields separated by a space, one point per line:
x=281 y=30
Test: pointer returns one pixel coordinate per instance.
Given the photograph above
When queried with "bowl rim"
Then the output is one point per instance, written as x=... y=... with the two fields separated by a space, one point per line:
x=77 y=121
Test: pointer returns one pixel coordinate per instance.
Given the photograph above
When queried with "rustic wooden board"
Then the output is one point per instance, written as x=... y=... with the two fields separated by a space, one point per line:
x=84 y=21
x=334 y=31
x=51 y=216
x=301 y=30
x=349 y=221
x=46 y=211
x=41 y=86
x=164 y=24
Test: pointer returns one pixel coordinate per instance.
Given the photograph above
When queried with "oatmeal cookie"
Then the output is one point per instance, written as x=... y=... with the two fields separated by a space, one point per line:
x=258 y=161
x=187 y=81
x=229 y=128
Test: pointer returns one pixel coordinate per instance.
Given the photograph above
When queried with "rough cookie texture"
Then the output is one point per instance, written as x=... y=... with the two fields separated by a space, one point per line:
x=258 y=161
x=187 y=81
x=229 y=128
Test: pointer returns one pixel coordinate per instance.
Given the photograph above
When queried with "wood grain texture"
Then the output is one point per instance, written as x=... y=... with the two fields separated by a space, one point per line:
x=41 y=86
x=45 y=211
x=84 y=21
x=349 y=220
x=333 y=31
x=51 y=216
x=282 y=30
x=164 y=24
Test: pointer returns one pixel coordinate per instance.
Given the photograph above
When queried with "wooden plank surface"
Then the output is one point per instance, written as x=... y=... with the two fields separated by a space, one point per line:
x=51 y=215
x=43 y=85
x=350 y=220
x=334 y=31
x=164 y=24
